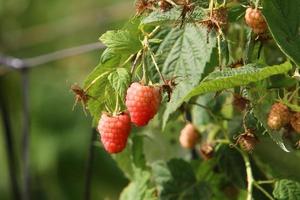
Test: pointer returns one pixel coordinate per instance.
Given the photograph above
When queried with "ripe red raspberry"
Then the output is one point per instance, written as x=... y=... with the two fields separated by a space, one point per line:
x=189 y=136
x=295 y=121
x=279 y=116
x=255 y=20
x=142 y=103
x=114 y=131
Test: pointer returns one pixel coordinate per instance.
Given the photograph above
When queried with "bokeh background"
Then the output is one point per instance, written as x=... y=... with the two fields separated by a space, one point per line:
x=59 y=138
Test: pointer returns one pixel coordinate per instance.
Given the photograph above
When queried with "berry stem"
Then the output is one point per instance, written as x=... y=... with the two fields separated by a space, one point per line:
x=265 y=182
x=95 y=80
x=211 y=6
x=144 y=78
x=263 y=191
x=219 y=51
x=138 y=55
x=117 y=105
x=156 y=66
x=250 y=179
x=256 y=4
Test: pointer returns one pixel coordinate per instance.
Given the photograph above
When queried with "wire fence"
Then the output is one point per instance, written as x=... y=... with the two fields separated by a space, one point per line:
x=23 y=66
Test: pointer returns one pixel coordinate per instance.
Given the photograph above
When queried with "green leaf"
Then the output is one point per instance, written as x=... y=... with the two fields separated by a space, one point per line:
x=120 y=80
x=98 y=85
x=139 y=188
x=229 y=78
x=262 y=101
x=133 y=163
x=231 y=163
x=132 y=157
x=284 y=22
x=185 y=53
x=172 y=16
x=176 y=180
x=287 y=190
x=122 y=41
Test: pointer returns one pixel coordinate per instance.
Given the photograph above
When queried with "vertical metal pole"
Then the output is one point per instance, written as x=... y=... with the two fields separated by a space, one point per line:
x=89 y=168
x=25 y=134
x=15 y=193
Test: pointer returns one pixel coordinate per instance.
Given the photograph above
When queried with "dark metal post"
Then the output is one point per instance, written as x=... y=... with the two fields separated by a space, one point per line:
x=89 y=168
x=9 y=148
x=25 y=134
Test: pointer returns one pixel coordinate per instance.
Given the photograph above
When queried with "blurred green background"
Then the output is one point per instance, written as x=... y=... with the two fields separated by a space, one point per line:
x=59 y=138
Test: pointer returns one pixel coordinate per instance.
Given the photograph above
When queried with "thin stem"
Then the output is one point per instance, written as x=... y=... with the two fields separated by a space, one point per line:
x=138 y=55
x=128 y=59
x=263 y=191
x=250 y=179
x=207 y=109
x=256 y=4
x=144 y=78
x=219 y=51
x=157 y=68
x=265 y=182
x=155 y=30
x=95 y=80
x=211 y=6
x=117 y=104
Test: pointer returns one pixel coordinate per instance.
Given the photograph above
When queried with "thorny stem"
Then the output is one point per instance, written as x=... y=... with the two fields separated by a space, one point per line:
x=263 y=191
x=250 y=179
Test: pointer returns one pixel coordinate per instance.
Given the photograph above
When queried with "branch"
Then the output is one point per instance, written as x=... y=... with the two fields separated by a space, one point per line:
x=16 y=63
x=250 y=179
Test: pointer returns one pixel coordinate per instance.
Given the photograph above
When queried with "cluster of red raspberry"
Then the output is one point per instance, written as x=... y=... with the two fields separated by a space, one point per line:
x=142 y=104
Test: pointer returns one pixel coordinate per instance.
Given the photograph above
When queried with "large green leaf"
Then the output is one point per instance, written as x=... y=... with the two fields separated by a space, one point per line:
x=231 y=163
x=262 y=101
x=133 y=163
x=172 y=16
x=120 y=80
x=284 y=23
x=122 y=41
x=287 y=190
x=229 y=78
x=176 y=180
x=98 y=85
x=186 y=54
x=139 y=188
x=132 y=157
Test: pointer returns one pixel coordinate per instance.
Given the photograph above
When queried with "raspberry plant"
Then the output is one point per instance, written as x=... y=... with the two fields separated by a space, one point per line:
x=227 y=69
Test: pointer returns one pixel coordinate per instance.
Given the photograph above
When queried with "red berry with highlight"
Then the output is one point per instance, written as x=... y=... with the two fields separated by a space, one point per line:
x=114 y=131
x=142 y=102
